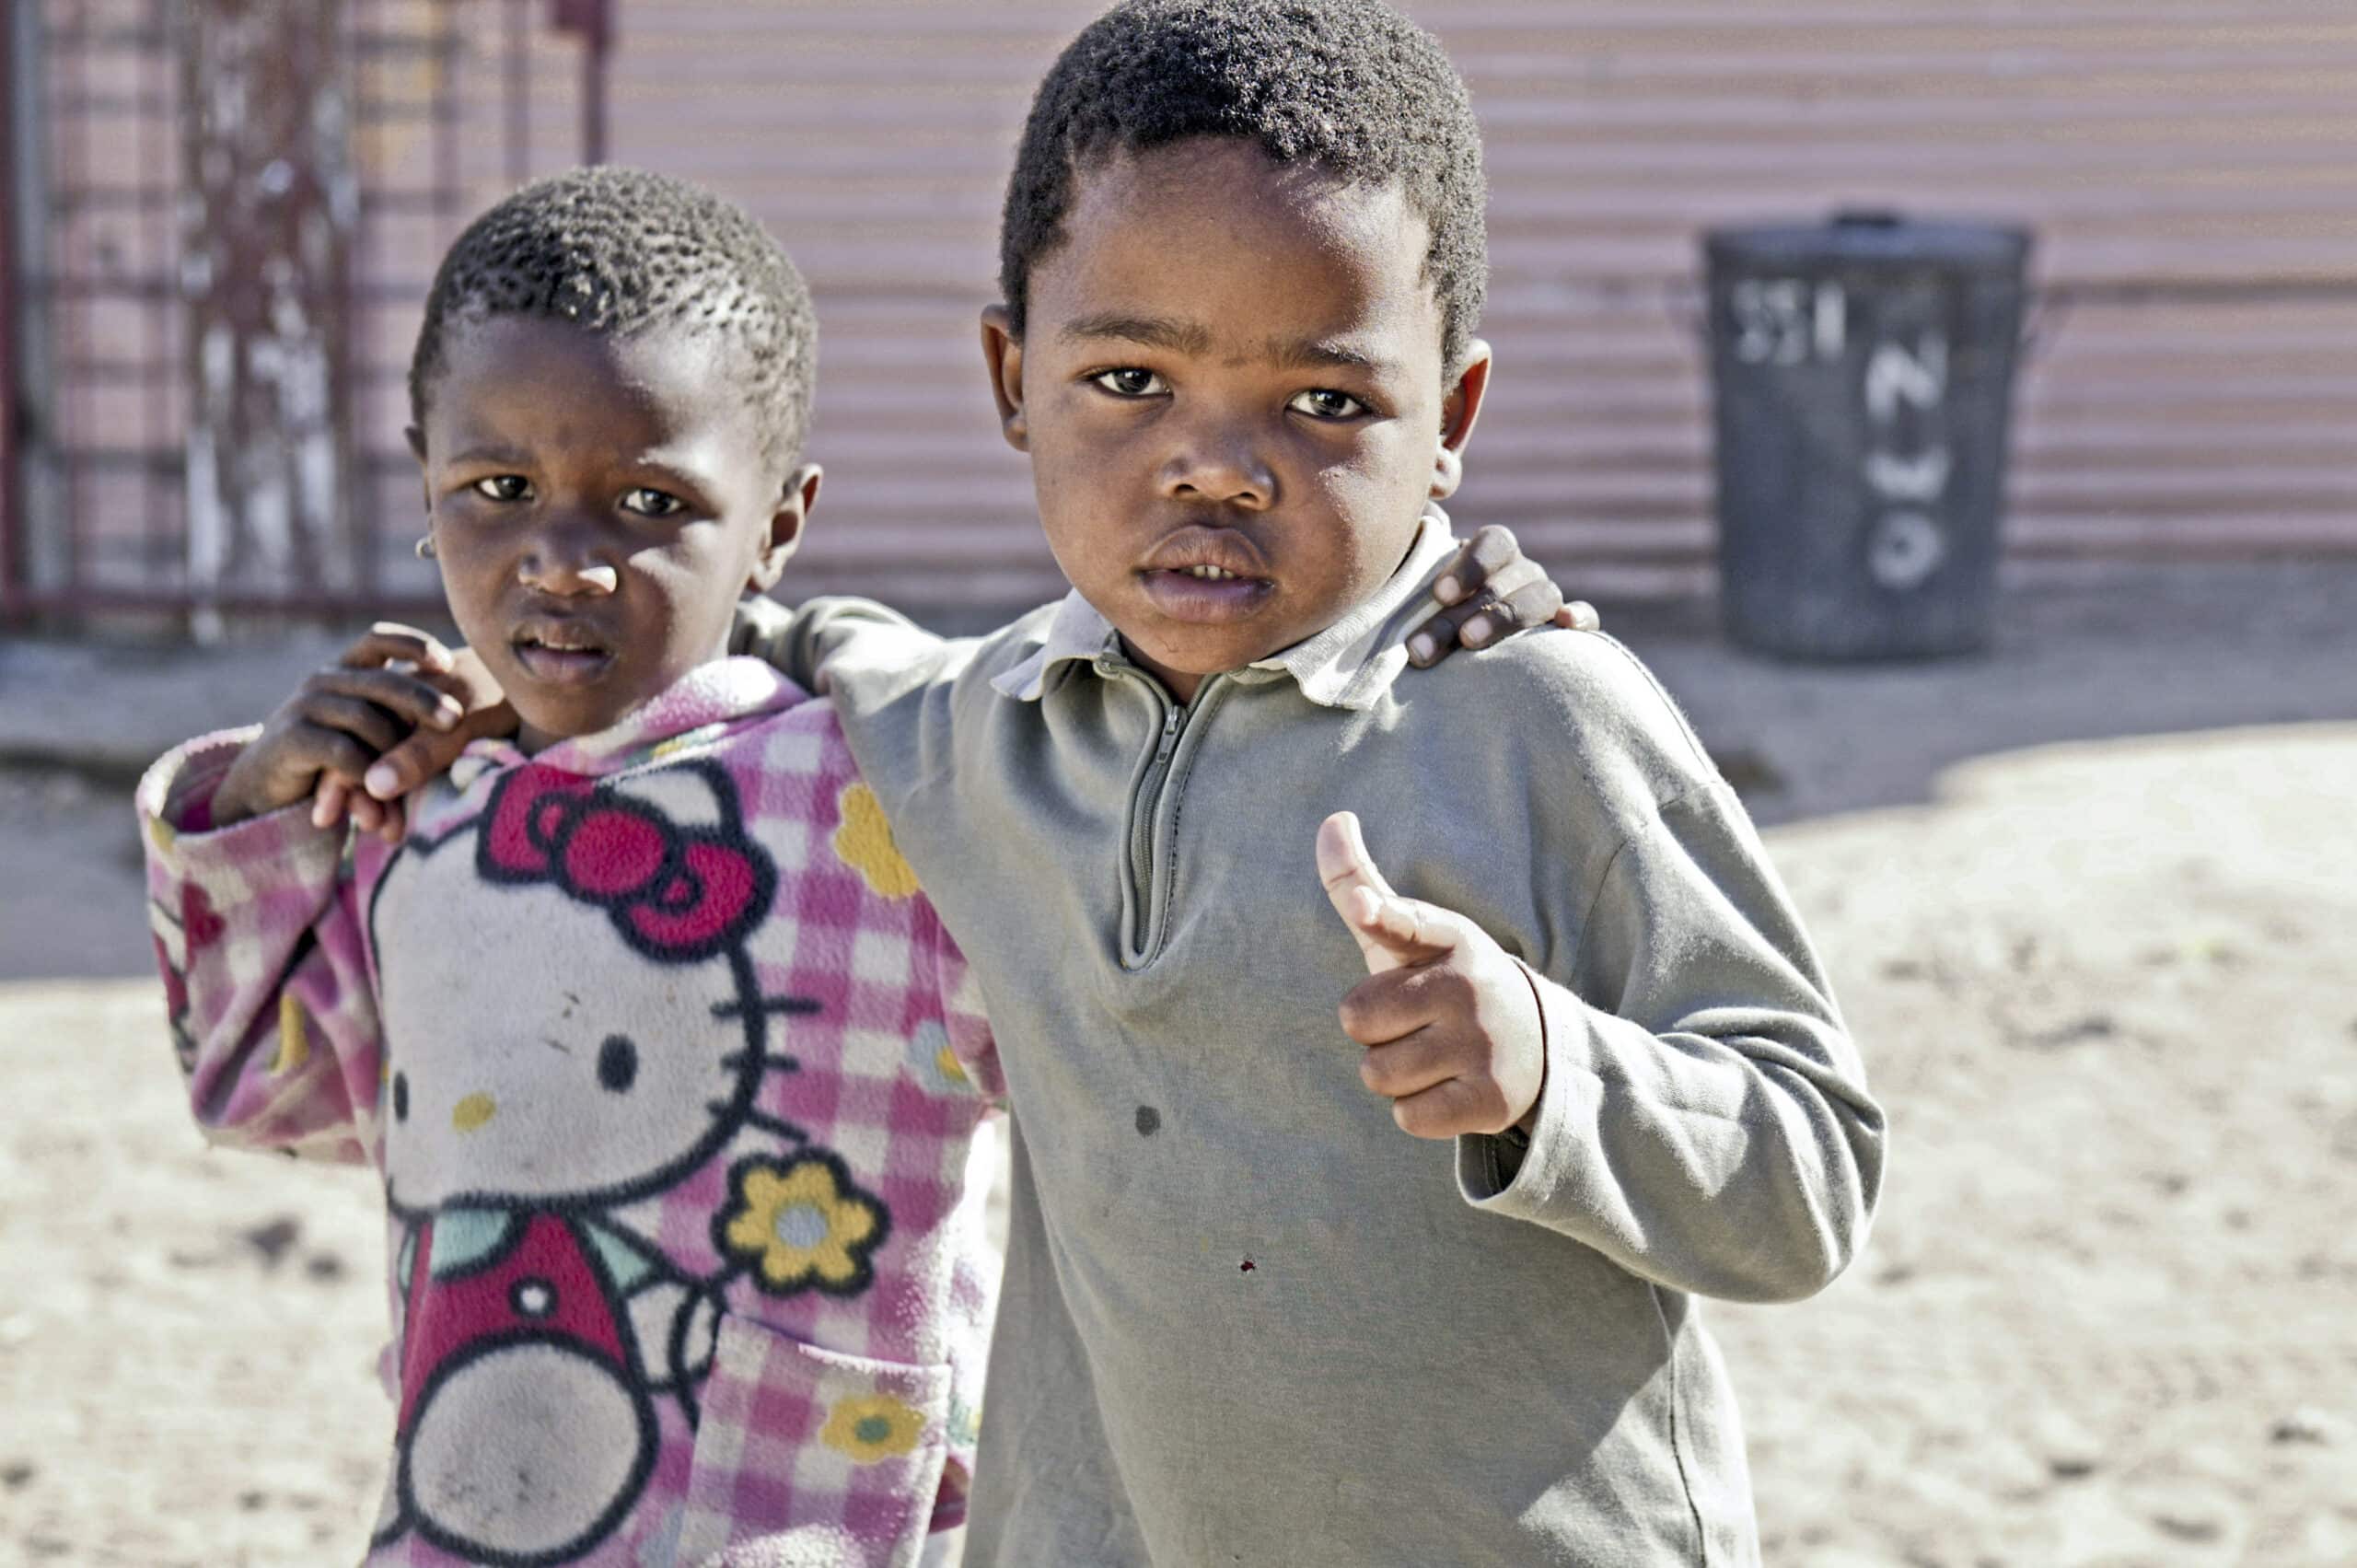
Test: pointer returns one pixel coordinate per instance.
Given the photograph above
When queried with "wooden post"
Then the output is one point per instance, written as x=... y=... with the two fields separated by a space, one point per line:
x=268 y=211
x=594 y=21
x=12 y=368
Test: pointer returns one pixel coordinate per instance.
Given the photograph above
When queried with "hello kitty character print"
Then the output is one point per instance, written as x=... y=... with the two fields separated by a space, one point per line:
x=673 y=1088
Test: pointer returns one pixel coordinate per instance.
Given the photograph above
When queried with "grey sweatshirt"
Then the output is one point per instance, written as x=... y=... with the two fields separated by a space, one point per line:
x=1247 y=1319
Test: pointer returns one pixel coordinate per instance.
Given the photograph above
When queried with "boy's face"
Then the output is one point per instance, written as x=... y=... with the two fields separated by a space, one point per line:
x=1233 y=366
x=597 y=506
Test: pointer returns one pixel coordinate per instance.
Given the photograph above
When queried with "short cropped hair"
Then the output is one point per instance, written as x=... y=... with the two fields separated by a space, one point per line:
x=623 y=250
x=1351 y=86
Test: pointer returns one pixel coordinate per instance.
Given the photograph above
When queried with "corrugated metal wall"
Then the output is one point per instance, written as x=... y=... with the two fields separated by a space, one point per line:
x=2190 y=167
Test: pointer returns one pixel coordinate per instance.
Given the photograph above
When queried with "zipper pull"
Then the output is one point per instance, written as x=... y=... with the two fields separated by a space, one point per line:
x=1170 y=733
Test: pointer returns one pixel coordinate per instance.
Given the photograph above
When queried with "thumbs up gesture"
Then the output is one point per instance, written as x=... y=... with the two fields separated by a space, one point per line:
x=1451 y=1022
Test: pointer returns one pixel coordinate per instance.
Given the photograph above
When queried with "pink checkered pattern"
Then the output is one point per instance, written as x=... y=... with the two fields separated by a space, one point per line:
x=832 y=1381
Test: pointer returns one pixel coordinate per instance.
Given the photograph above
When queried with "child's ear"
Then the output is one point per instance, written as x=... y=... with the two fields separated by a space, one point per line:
x=1003 y=355
x=796 y=498
x=1459 y=410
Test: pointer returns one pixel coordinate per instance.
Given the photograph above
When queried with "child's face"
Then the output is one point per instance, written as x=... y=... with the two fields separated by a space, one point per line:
x=597 y=506
x=1234 y=364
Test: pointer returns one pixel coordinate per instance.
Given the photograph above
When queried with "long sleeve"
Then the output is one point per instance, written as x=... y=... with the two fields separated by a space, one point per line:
x=1705 y=1122
x=265 y=973
x=800 y=642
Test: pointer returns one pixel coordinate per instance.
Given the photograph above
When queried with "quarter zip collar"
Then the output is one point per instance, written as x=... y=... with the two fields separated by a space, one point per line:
x=702 y=703
x=1351 y=664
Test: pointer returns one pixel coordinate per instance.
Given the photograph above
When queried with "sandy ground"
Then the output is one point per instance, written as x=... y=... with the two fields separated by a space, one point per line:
x=2105 y=988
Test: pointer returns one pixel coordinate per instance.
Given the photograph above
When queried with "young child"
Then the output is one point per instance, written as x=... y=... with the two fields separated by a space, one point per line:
x=659 y=1049
x=1245 y=1320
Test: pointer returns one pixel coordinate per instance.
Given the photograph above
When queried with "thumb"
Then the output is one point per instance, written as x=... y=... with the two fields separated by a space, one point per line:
x=1392 y=932
x=426 y=754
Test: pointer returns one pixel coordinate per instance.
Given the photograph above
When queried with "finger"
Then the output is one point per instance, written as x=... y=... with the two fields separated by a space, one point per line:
x=327 y=801
x=1391 y=931
x=1452 y=1109
x=416 y=699
x=1460 y=576
x=1477 y=560
x=1532 y=605
x=1393 y=1004
x=1579 y=616
x=1409 y=1066
x=313 y=751
x=363 y=720
x=388 y=642
x=1491 y=616
x=1441 y=634
x=1515 y=575
x=396 y=823
x=427 y=753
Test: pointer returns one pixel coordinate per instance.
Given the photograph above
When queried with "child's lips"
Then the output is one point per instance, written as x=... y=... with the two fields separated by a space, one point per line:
x=560 y=657
x=1182 y=595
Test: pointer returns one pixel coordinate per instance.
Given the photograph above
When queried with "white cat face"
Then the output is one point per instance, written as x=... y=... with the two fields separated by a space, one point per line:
x=512 y=1074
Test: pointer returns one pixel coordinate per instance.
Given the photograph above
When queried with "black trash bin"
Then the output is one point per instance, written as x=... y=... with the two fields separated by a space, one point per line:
x=1862 y=372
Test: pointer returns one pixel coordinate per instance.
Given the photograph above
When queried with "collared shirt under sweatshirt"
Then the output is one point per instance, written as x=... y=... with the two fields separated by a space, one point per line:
x=1246 y=1319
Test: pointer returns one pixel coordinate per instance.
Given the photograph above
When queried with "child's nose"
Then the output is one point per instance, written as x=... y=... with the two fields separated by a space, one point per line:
x=567 y=558
x=1222 y=460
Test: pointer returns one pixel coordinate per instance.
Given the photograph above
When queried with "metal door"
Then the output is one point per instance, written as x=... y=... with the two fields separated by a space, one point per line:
x=134 y=275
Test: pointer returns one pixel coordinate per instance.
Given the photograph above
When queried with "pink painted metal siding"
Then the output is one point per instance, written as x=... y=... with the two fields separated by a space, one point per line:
x=2190 y=167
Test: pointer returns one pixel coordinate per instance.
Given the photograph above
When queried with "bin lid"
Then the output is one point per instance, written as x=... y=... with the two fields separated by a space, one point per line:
x=1872 y=235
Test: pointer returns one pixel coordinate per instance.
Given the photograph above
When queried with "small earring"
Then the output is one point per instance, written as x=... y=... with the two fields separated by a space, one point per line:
x=426 y=547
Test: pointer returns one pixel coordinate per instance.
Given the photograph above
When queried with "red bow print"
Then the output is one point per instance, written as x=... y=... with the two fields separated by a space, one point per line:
x=675 y=894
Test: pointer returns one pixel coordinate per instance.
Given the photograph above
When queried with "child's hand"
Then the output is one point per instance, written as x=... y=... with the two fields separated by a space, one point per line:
x=1492 y=588
x=340 y=720
x=376 y=803
x=1451 y=1022
x=427 y=751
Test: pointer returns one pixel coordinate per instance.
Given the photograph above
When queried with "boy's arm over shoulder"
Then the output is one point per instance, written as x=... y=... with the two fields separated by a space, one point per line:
x=804 y=642
x=1704 y=1118
x=266 y=980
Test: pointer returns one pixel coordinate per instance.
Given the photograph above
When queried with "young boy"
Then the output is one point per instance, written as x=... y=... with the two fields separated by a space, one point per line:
x=657 y=1047
x=1254 y=1312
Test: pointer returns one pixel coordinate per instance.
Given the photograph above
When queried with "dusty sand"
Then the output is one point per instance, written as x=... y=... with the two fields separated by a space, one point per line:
x=2106 y=1317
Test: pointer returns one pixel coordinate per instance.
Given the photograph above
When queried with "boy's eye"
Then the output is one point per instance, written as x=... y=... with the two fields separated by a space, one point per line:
x=1324 y=402
x=505 y=487
x=1129 y=381
x=649 y=502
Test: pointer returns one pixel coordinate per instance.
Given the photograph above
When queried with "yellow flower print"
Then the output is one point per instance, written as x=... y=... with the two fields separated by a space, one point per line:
x=802 y=1225
x=872 y=1428
x=865 y=843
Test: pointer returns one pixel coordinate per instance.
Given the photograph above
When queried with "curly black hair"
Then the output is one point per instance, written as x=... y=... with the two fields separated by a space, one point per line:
x=621 y=250
x=1349 y=86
